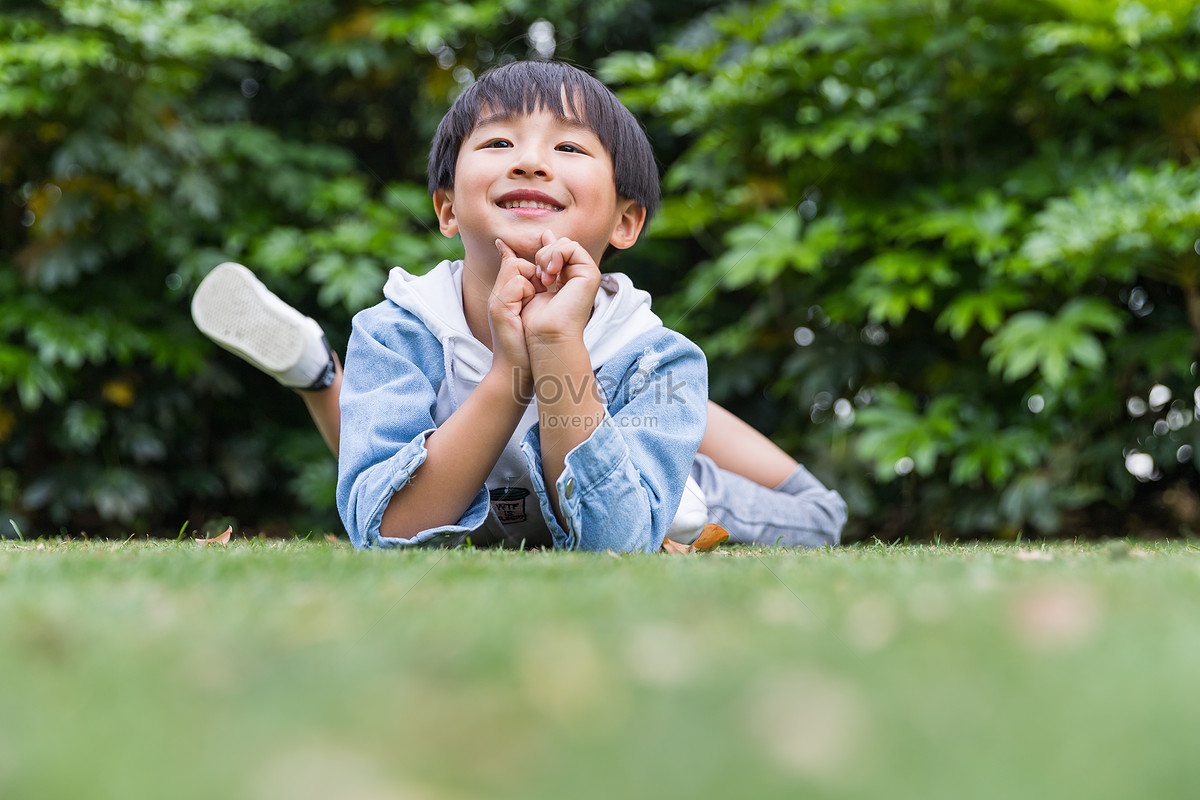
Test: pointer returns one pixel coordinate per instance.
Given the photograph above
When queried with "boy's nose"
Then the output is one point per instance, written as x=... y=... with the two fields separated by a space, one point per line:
x=540 y=173
x=529 y=163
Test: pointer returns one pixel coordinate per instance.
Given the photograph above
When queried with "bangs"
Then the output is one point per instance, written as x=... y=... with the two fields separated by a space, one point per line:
x=565 y=99
x=527 y=87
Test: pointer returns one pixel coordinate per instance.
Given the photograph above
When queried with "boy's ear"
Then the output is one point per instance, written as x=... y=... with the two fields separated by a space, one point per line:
x=629 y=224
x=443 y=206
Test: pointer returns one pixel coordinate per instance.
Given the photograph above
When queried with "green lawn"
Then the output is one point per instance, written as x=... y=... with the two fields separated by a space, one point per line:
x=308 y=670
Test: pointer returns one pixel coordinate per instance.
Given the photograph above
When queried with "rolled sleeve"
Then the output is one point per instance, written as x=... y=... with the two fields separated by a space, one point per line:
x=373 y=489
x=388 y=397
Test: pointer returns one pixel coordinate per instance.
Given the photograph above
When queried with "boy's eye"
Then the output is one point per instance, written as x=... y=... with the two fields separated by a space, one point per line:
x=569 y=148
x=498 y=143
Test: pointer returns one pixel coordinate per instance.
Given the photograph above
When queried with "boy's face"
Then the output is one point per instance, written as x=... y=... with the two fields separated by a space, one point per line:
x=518 y=175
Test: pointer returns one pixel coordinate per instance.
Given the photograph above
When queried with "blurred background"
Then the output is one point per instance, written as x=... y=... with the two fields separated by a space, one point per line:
x=947 y=254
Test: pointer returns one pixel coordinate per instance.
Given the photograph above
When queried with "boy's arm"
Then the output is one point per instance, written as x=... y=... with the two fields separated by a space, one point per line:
x=569 y=404
x=458 y=457
x=620 y=487
x=389 y=437
x=610 y=481
x=568 y=400
x=402 y=475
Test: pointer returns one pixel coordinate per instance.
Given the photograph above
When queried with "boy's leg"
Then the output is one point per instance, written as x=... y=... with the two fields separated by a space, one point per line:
x=323 y=407
x=736 y=446
x=234 y=309
x=798 y=512
x=759 y=493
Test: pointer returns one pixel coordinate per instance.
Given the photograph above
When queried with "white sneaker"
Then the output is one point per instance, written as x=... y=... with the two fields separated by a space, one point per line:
x=235 y=310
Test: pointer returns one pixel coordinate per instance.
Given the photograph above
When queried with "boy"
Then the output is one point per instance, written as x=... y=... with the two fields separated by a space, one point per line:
x=539 y=168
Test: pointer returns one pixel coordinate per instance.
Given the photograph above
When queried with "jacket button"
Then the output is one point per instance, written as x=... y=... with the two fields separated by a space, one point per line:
x=569 y=489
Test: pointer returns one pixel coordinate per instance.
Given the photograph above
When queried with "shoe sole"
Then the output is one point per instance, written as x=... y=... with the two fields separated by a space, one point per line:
x=236 y=311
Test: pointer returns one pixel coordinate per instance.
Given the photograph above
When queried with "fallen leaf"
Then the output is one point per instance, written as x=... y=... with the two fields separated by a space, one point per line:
x=712 y=535
x=1033 y=555
x=675 y=548
x=329 y=537
x=222 y=539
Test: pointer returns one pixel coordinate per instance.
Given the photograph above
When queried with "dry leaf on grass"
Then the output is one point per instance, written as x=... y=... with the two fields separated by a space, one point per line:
x=1033 y=555
x=329 y=537
x=712 y=535
x=222 y=539
x=677 y=549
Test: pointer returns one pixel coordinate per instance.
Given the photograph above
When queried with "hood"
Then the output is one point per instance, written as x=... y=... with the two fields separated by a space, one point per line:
x=620 y=314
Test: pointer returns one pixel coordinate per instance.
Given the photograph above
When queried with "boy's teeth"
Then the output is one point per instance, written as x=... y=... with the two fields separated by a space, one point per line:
x=529 y=204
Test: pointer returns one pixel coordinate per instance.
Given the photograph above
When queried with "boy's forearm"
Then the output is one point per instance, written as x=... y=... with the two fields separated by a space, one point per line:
x=569 y=404
x=459 y=456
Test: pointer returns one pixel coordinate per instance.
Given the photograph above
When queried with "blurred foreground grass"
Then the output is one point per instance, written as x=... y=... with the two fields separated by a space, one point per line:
x=308 y=670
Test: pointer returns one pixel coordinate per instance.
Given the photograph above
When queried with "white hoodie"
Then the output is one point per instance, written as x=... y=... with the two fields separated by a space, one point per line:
x=620 y=314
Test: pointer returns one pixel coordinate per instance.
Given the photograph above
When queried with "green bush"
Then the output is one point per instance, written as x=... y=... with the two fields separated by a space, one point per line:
x=945 y=253
x=141 y=143
x=955 y=245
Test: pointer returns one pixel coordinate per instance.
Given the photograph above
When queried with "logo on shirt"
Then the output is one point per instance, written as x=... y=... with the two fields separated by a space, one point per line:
x=509 y=504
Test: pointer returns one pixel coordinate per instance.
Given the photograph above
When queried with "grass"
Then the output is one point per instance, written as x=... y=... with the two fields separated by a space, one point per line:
x=305 y=670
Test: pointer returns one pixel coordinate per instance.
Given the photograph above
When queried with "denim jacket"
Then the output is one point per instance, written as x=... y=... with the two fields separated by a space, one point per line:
x=619 y=489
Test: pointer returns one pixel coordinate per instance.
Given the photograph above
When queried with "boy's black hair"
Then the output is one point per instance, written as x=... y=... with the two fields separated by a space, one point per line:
x=528 y=86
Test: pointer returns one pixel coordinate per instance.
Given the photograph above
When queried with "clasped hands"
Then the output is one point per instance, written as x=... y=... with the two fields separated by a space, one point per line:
x=542 y=303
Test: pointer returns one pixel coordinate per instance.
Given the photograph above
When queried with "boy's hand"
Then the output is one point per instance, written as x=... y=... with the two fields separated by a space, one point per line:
x=570 y=279
x=513 y=289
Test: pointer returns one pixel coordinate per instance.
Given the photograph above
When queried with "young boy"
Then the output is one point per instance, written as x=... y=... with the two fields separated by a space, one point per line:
x=519 y=396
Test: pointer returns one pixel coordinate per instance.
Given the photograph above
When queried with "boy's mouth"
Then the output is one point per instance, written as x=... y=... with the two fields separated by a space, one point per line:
x=530 y=200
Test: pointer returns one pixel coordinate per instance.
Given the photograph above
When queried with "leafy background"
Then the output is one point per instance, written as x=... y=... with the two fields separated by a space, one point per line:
x=947 y=254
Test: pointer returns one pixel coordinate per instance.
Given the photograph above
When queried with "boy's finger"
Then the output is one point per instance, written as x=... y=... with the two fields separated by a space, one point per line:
x=509 y=256
x=566 y=252
x=550 y=267
x=521 y=290
x=549 y=257
x=510 y=260
x=514 y=293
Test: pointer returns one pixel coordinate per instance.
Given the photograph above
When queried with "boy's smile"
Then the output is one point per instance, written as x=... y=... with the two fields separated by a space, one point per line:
x=518 y=175
x=537 y=204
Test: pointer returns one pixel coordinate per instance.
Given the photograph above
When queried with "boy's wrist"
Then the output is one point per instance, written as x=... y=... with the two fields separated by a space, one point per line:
x=545 y=342
x=562 y=373
x=517 y=380
x=552 y=353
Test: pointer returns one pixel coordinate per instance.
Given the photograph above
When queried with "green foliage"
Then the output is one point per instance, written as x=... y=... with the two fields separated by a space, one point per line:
x=144 y=141
x=960 y=238
x=1052 y=345
x=945 y=253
